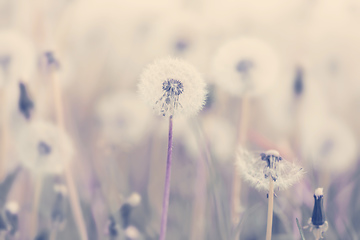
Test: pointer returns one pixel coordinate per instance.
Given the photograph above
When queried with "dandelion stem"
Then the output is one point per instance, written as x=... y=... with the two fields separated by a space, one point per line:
x=4 y=134
x=270 y=209
x=37 y=194
x=73 y=195
x=236 y=189
x=167 y=183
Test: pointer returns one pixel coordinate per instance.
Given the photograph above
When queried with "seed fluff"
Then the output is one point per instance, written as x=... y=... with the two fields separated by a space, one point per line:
x=172 y=87
x=257 y=170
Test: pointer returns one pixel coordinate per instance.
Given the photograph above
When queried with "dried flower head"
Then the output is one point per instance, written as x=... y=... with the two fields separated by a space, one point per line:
x=246 y=66
x=257 y=170
x=317 y=223
x=44 y=148
x=172 y=87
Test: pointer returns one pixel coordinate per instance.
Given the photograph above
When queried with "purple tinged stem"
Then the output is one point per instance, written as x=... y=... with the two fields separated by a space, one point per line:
x=166 y=197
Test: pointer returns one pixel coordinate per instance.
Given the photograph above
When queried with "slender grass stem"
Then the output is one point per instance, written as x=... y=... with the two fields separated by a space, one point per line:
x=73 y=195
x=166 y=197
x=300 y=229
x=270 y=209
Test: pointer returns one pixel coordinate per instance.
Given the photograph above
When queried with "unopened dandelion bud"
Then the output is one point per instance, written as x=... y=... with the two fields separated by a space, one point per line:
x=43 y=235
x=172 y=87
x=299 y=81
x=112 y=228
x=11 y=212
x=317 y=223
x=51 y=60
x=318 y=214
x=58 y=210
x=26 y=105
x=3 y=226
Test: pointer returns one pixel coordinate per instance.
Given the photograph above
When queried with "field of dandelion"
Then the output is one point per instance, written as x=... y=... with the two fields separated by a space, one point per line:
x=254 y=107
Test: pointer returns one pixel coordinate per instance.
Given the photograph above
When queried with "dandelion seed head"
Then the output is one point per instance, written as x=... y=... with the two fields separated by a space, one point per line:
x=257 y=170
x=245 y=65
x=44 y=148
x=124 y=119
x=328 y=143
x=172 y=87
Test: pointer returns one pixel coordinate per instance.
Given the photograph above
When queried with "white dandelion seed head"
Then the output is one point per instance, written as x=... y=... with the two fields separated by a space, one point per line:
x=12 y=207
x=328 y=144
x=44 y=148
x=246 y=65
x=17 y=57
x=172 y=87
x=319 y=192
x=124 y=119
x=256 y=170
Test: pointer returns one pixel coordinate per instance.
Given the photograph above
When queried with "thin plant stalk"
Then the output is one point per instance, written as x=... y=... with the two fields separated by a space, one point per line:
x=166 y=197
x=236 y=185
x=199 y=207
x=4 y=134
x=300 y=229
x=270 y=209
x=37 y=193
x=73 y=195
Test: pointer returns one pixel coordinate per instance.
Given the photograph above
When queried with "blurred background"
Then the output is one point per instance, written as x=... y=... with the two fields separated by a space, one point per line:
x=80 y=150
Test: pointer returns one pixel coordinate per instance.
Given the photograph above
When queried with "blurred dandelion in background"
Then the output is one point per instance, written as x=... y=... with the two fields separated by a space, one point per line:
x=83 y=157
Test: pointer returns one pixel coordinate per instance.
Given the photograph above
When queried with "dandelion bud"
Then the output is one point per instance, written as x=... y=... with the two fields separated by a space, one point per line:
x=58 y=210
x=125 y=213
x=3 y=226
x=11 y=212
x=318 y=215
x=112 y=230
x=25 y=103
x=246 y=66
x=172 y=87
x=43 y=235
x=317 y=222
x=299 y=82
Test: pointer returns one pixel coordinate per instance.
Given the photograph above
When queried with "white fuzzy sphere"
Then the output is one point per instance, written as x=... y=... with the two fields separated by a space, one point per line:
x=172 y=87
x=43 y=148
x=328 y=144
x=124 y=119
x=246 y=65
